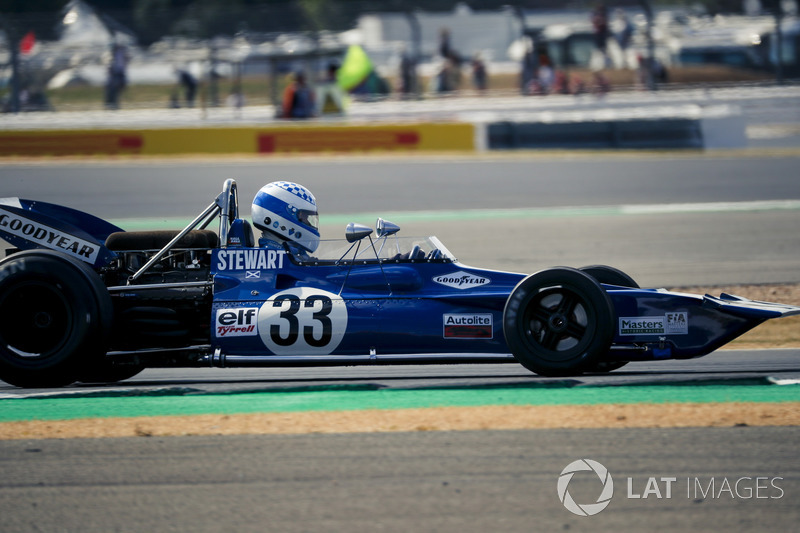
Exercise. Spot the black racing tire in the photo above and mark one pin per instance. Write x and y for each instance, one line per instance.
(606, 366)
(108, 372)
(609, 276)
(56, 318)
(558, 322)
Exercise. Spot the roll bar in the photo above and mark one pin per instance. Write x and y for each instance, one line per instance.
(226, 206)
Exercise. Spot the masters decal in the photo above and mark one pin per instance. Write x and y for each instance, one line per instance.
(669, 324)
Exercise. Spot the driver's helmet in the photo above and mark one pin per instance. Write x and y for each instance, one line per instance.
(290, 211)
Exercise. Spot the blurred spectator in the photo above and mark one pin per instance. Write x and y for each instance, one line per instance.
(448, 79)
(449, 76)
(542, 83)
(528, 70)
(236, 99)
(407, 74)
(600, 84)
(298, 101)
(647, 80)
(624, 35)
(213, 86)
(561, 84)
(189, 85)
(600, 25)
(29, 100)
(444, 43)
(479, 76)
(577, 86)
(117, 77)
(329, 96)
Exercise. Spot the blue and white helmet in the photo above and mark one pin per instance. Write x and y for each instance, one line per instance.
(288, 210)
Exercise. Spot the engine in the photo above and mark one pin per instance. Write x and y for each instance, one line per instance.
(168, 306)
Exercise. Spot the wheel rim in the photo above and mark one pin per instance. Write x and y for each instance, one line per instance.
(557, 324)
(38, 319)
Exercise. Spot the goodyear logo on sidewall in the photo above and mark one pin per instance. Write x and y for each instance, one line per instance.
(48, 237)
(669, 324)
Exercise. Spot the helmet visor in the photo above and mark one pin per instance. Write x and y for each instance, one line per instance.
(309, 218)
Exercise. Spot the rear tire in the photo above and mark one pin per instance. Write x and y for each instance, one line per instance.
(558, 322)
(56, 315)
(108, 372)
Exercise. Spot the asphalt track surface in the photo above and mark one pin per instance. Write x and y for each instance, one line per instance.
(421, 481)
(725, 366)
(442, 481)
(698, 219)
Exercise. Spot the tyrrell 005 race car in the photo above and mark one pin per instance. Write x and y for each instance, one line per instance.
(83, 300)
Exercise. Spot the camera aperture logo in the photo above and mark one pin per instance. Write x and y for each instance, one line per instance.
(586, 509)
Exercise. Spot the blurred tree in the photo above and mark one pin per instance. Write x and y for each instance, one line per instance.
(321, 14)
(153, 19)
(18, 18)
(22, 16)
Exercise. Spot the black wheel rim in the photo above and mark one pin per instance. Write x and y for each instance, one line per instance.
(37, 319)
(558, 324)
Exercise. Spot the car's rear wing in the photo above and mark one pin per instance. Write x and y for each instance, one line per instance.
(742, 307)
(29, 224)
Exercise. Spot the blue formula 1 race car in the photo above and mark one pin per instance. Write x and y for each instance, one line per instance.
(83, 300)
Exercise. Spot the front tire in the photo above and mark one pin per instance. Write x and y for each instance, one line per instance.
(609, 276)
(56, 315)
(558, 322)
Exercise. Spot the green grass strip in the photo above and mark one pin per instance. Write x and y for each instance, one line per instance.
(67, 408)
(407, 217)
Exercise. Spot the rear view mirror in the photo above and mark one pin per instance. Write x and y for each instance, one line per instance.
(355, 232)
(384, 228)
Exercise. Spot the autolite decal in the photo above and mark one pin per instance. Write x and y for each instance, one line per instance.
(250, 259)
(467, 326)
(237, 322)
(461, 280)
(48, 237)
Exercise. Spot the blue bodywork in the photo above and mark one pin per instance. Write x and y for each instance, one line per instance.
(378, 309)
(384, 309)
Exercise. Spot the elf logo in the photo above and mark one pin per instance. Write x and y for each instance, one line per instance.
(237, 322)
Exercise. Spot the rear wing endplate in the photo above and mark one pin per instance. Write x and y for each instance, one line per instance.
(28, 224)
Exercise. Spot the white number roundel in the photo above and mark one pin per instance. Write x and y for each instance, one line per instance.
(302, 321)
